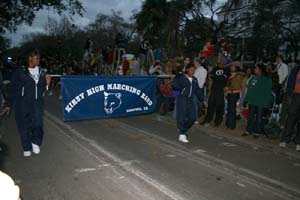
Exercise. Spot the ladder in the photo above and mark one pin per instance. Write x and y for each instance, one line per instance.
(150, 60)
(118, 52)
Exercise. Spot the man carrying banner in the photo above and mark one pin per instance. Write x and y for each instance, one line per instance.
(26, 97)
(188, 86)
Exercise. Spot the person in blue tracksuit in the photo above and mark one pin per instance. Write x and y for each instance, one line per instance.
(25, 96)
(293, 118)
(188, 86)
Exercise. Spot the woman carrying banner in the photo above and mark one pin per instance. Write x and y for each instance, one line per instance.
(188, 86)
(26, 97)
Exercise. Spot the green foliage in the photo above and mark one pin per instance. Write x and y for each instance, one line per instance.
(180, 26)
(13, 13)
(277, 23)
(66, 41)
(160, 22)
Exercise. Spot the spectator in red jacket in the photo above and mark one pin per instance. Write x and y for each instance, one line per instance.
(165, 95)
(208, 50)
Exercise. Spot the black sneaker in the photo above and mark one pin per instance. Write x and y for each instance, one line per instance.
(203, 123)
(217, 124)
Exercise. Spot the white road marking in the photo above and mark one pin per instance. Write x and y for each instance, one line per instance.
(249, 176)
(84, 170)
(297, 164)
(215, 136)
(241, 184)
(104, 165)
(200, 151)
(227, 144)
(170, 156)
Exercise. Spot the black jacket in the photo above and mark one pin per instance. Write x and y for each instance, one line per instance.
(187, 89)
(23, 90)
(219, 78)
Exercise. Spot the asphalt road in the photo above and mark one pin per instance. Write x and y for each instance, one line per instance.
(140, 158)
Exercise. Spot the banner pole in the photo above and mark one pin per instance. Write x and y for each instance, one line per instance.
(158, 76)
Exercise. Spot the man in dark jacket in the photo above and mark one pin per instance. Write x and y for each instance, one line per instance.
(26, 97)
(293, 89)
(219, 77)
(185, 107)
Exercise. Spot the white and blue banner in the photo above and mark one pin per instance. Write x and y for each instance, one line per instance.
(90, 97)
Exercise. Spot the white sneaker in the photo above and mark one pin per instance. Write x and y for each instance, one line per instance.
(27, 153)
(182, 138)
(35, 148)
(196, 122)
(282, 144)
(298, 147)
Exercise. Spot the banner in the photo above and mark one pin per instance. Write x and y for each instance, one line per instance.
(90, 97)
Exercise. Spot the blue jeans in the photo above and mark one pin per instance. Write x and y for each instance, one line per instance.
(255, 123)
(197, 105)
(231, 110)
(174, 111)
(293, 119)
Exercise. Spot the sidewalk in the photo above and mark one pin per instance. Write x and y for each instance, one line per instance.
(235, 135)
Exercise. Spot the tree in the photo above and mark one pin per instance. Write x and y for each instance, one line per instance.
(182, 24)
(151, 21)
(264, 35)
(4, 43)
(289, 23)
(161, 23)
(105, 28)
(64, 40)
(201, 23)
(14, 13)
(276, 28)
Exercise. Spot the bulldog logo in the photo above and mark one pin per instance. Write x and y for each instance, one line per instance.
(112, 101)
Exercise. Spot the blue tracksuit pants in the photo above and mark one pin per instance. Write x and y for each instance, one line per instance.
(186, 114)
(30, 124)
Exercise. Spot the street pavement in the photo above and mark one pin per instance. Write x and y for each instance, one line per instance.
(140, 158)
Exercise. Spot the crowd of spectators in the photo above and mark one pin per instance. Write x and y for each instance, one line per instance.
(262, 94)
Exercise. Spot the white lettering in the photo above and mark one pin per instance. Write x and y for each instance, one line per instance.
(147, 99)
(68, 108)
(74, 102)
(124, 87)
(133, 110)
(95, 90)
